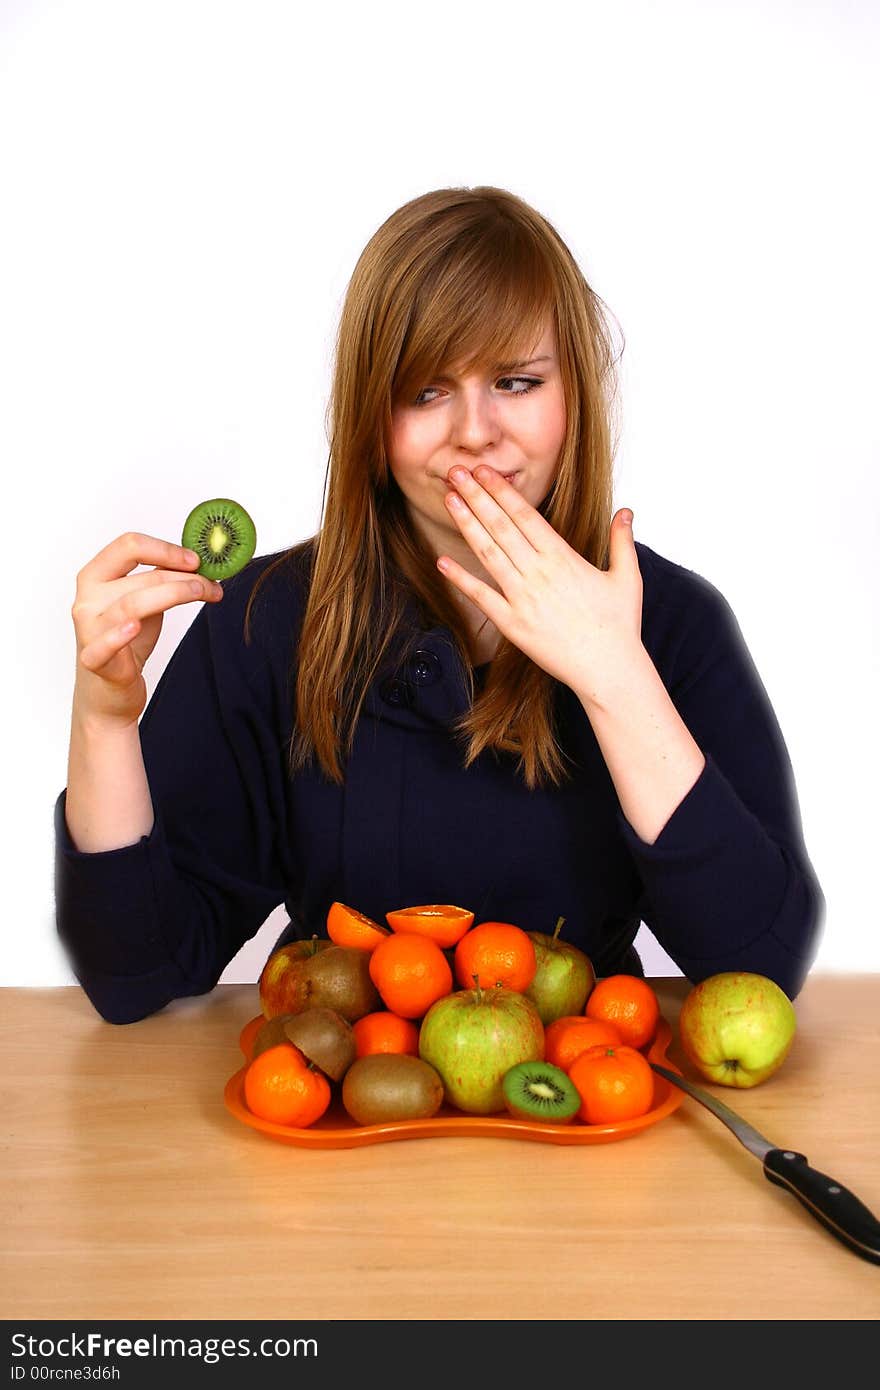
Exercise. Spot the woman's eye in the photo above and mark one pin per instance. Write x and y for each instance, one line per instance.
(527, 383)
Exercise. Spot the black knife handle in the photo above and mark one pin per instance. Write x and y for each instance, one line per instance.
(829, 1201)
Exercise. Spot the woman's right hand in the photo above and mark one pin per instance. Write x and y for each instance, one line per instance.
(117, 616)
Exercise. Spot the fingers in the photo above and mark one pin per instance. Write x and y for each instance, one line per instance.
(502, 512)
(490, 601)
(101, 598)
(498, 545)
(621, 542)
(97, 654)
(126, 552)
(147, 601)
(122, 620)
(623, 559)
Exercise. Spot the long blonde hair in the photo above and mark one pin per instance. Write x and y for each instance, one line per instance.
(456, 276)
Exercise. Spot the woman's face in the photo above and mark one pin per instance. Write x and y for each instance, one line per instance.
(513, 421)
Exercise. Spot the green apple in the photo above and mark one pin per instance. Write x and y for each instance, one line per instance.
(563, 979)
(473, 1037)
(737, 1028)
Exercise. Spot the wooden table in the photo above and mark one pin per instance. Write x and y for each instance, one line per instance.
(130, 1192)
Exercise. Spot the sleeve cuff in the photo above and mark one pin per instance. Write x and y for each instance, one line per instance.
(697, 826)
(68, 849)
(119, 943)
(714, 880)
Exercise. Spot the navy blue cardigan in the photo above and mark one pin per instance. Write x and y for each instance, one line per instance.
(727, 885)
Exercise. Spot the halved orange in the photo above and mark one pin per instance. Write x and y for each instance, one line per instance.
(348, 927)
(440, 922)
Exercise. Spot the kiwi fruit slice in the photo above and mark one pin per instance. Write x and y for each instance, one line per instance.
(386, 1086)
(540, 1091)
(222, 535)
(325, 1038)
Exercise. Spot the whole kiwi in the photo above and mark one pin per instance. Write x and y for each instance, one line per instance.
(337, 978)
(386, 1086)
(310, 974)
(324, 1037)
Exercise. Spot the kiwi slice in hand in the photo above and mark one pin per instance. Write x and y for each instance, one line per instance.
(222, 535)
(540, 1091)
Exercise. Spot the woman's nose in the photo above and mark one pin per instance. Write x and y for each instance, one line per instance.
(475, 419)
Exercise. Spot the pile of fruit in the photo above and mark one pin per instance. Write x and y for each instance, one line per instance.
(375, 1011)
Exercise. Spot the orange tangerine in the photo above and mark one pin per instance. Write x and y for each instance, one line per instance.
(279, 1086)
(384, 1031)
(614, 1083)
(410, 972)
(629, 1003)
(566, 1038)
(499, 954)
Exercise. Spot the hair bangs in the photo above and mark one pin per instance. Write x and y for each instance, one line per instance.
(485, 310)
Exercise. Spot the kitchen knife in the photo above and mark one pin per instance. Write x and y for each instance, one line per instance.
(829, 1201)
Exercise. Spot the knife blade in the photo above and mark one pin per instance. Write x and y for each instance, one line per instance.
(838, 1209)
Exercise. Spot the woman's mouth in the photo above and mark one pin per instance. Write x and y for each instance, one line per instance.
(508, 477)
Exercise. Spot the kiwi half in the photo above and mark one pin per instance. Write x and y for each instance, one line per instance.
(324, 1037)
(540, 1091)
(270, 1034)
(222, 535)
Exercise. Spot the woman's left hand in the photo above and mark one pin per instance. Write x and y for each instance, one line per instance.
(580, 623)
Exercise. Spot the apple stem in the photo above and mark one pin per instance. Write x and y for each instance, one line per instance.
(558, 927)
(479, 992)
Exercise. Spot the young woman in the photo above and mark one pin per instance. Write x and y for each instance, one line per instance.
(471, 686)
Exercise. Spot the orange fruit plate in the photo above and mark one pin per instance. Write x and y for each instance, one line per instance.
(336, 1130)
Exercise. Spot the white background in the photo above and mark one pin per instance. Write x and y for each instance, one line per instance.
(186, 188)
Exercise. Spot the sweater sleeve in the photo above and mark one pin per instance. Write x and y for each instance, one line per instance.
(159, 919)
(727, 883)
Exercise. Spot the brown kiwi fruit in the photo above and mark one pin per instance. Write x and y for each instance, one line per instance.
(337, 978)
(310, 974)
(387, 1086)
(270, 1034)
(325, 1038)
